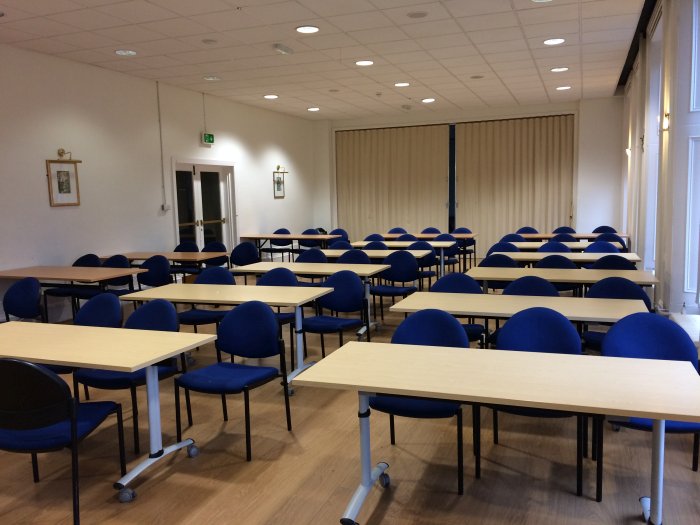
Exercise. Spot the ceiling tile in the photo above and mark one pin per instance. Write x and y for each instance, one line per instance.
(41, 27)
(87, 19)
(279, 12)
(137, 11)
(42, 7)
(189, 8)
(548, 14)
(380, 34)
(176, 27)
(433, 11)
(46, 45)
(460, 8)
(430, 29)
(493, 21)
(360, 21)
(129, 34)
(336, 7)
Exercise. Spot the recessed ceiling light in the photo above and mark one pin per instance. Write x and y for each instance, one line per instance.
(307, 30)
(559, 69)
(563, 88)
(364, 63)
(402, 84)
(476, 77)
(209, 41)
(417, 14)
(270, 97)
(313, 109)
(211, 78)
(125, 52)
(282, 49)
(553, 41)
(428, 100)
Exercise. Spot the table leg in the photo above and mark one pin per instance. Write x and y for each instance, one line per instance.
(368, 298)
(369, 475)
(157, 451)
(442, 262)
(299, 332)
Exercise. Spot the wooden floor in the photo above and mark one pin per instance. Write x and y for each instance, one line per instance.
(308, 475)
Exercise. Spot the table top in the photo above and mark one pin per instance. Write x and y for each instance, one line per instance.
(117, 349)
(578, 383)
(561, 275)
(194, 257)
(363, 270)
(576, 235)
(405, 244)
(428, 236)
(578, 246)
(577, 257)
(83, 274)
(375, 254)
(690, 323)
(490, 305)
(228, 294)
(291, 237)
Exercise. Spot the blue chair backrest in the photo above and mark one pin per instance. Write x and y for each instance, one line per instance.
(158, 273)
(563, 237)
(649, 336)
(278, 277)
(313, 255)
(407, 237)
(431, 327)
(354, 257)
(601, 247)
(88, 260)
(611, 237)
(339, 231)
(456, 283)
(464, 242)
(244, 253)
(604, 229)
(348, 293)
(539, 330)
(404, 267)
(281, 242)
(426, 260)
(118, 261)
(564, 229)
(556, 261)
(512, 237)
(340, 245)
(374, 237)
(554, 246)
(158, 314)
(397, 229)
(452, 250)
(374, 245)
(613, 262)
(498, 260)
(102, 310)
(618, 288)
(502, 247)
(526, 229)
(215, 275)
(22, 299)
(216, 246)
(310, 243)
(249, 330)
(531, 285)
(430, 229)
(187, 246)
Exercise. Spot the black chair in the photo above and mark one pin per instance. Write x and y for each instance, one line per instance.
(38, 414)
(243, 254)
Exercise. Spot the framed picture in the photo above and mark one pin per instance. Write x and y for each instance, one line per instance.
(62, 176)
(278, 184)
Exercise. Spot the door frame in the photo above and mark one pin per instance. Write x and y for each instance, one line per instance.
(231, 225)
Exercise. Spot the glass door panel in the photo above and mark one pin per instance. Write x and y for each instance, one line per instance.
(185, 206)
(212, 210)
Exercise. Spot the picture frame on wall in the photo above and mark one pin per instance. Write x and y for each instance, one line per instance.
(62, 177)
(278, 184)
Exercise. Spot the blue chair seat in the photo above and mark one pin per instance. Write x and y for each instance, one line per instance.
(113, 380)
(387, 290)
(530, 412)
(285, 317)
(324, 324)
(426, 273)
(59, 369)
(410, 407)
(57, 436)
(226, 378)
(197, 316)
(474, 331)
(193, 270)
(672, 427)
(594, 340)
(72, 290)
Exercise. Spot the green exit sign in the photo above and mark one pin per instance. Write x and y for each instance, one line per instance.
(207, 138)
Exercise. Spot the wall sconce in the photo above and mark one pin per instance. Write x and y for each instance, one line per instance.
(665, 122)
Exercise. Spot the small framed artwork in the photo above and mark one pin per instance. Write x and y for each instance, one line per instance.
(278, 184)
(62, 176)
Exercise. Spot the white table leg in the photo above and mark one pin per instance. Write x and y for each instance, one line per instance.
(442, 262)
(369, 475)
(299, 332)
(368, 298)
(657, 472)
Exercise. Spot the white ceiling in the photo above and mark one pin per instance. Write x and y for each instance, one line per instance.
(438, 54)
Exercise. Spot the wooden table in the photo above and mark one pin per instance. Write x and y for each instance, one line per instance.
(578, 246)
(80, 274)
(560, 275)
(212, 294)
(402, 245)
(576, 383)
(180, 257)
(428, 236)
(582, 236)
(691, 324)
(260, 238)
(374, 254)
(577, 257)
(117, 349)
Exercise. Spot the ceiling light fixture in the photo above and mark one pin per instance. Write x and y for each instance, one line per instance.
(125, 52)
(428, 100)
(553, 41)
(364, 63)
(307, 30)
(476, 77)
(563, 88)
(211, 78)
(270, 97)
(402, 84)
(313, 110)
(559, 69)
(417, 14)
(209, 41)
(541, 1)
(282, 49)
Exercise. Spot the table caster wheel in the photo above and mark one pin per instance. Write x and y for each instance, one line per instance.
(384, 480)
(290, 390)
(192, 451)
(127, 495)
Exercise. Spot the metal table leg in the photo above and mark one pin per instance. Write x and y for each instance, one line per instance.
(652, 507)
(299, 332)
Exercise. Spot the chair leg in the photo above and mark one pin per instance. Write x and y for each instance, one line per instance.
(35, 467)
(87, 392)
(287, 409)
(323, 346)
(476, 438)
(599, 458)
(135, 412)
(223, 406)
(594, 437)
(392, 431)
(381, 307)
(75, 483)
(460, 454)
(76, 387)
(188, 405)
(579, 455)
(291, 345)
(495, 427)
(696, 446)
(178, 422)
(120, 437)
(246, 403)
(340, 338)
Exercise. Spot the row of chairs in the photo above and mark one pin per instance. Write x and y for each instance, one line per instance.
(567, 229)
(560, 238)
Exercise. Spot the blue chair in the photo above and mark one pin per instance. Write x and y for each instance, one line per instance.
(23, 300)
(502, 247)
(531, 285)
(613, 262)
(612, 237)
(526, 229)
(430, 229)
(89, 260)
(375, 245)
(183, 268)
(39, 415)
(281, 277)
(425, 263)
(281, 246)
(450, 254)
(158, 273)
(536, 330)
(467, 248)
(403, 269)
(343, 234)
(612, 288)
(498, 260)
(463, 283)
(601, 247)
(154, 315)
(374, 237)
(564, 229)
(397, 229)
(559, 261)
(216, 246)
(433, 328)
(512, 237)
(242, 255)
(407, 237)
(195, 317)
(308, 244)
(348, 296)
(564, 237)
(353, 257)
(119, 285)
(340, 245)
(651, 336)
(554, 246)
(604, 229)
(250, 331)
(312, 255)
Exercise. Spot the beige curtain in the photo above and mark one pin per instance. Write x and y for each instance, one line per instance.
(392, 177)
(513, 173)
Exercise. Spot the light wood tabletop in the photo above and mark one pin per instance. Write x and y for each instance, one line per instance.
(504, 306)
(405, 244)
(583, 235)
(375, 254)
(577, 257)
(290, 237)
(193, 257)
(578, 246)
(560, 275)
(81, 274)
(117, 349)
(429, 236)
(229, 295)
(363, 270)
